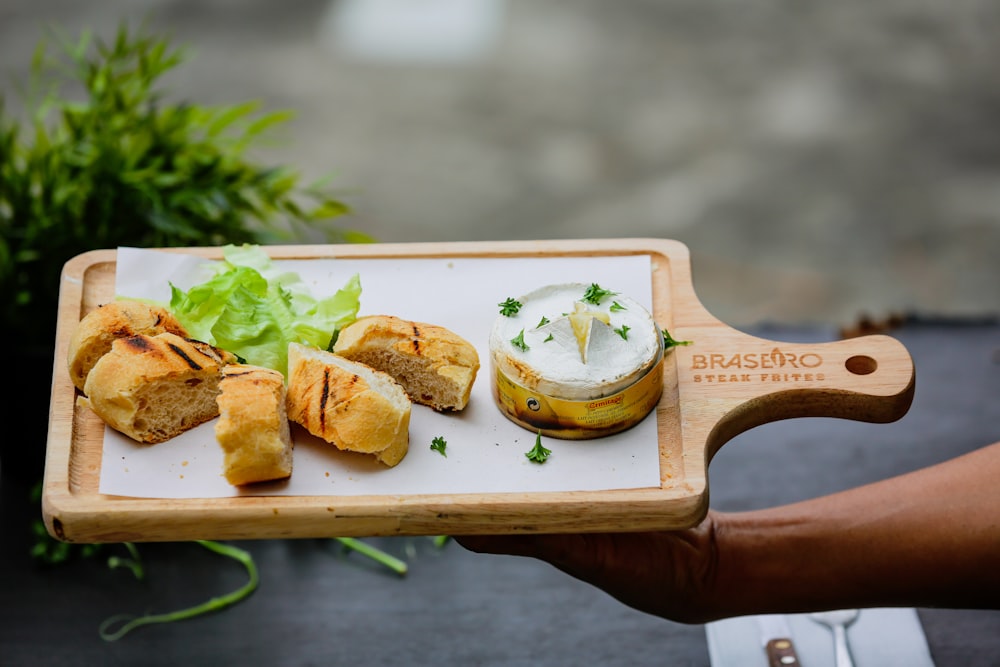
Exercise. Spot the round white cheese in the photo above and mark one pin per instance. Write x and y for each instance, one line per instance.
(563, 345)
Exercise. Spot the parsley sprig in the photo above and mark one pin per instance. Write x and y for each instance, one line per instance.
(438, 444)
(518, 342)
(509, 307)
(669, 342)
(538, 453)
(595, 294)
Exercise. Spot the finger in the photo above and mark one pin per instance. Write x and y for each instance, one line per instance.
(511, 545)
(576, 554)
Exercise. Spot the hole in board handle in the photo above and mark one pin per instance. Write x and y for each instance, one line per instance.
(861, 364)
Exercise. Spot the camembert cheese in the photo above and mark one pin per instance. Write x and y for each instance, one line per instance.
(576, 361)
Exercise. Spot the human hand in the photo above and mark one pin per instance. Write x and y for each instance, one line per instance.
(670, 574)
(927, 538)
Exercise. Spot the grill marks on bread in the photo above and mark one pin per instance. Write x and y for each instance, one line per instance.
(415, 339)
(180, 353)
(435, 366)
(140, 345)
(100, 327)
(348, 404)
(195, 354)
(337, 391)
(152, 388)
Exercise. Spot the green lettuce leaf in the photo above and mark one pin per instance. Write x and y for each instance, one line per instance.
(253, 309)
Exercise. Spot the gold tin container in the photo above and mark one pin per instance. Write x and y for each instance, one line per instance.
(578, 420)
(544, 384)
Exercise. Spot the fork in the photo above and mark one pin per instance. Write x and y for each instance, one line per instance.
(838, 621)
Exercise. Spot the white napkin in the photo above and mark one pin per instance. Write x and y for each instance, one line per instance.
(878, 638)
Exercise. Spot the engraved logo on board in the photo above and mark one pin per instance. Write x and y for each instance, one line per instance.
(773, 366)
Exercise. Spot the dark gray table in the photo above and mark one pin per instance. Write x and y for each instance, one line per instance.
(315, 605)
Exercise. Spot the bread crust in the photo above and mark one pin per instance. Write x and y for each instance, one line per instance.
(435, 366)
(252, 429)
(352, 406)
(152, 388)
(93, 336)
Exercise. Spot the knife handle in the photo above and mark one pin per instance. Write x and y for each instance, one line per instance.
(781, 653)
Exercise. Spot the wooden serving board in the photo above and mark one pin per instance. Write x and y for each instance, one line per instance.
(725, 383)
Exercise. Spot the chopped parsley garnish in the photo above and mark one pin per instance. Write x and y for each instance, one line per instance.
(623, 332)
(548, 338)
(438, 444)
(615, 307)
(518, 342)
(542, 322)
(538, 454)
(509, 307)
(595, 294)
(669, 342)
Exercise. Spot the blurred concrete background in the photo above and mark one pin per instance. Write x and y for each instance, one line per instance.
(821, 160)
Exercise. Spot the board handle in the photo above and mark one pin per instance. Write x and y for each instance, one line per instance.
(744, 381)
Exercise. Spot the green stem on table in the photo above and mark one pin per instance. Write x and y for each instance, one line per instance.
(134, 563)
(130, 623)
(379, 556)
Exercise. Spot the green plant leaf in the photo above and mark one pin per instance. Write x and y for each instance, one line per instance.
(224, 118)
(102, 158)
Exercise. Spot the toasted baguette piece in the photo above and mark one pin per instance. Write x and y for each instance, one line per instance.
(436, 366)
(94, 334)
(348, 404)
(253, 425)
(152, 388)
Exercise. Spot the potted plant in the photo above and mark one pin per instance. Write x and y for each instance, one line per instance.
(102, 160)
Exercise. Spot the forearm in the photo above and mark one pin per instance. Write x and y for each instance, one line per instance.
(928, 538)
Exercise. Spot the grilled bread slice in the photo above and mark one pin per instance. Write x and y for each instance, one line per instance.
(253, 426)
(436, 366)
(152, 388)
(348, 404)
(118, 319)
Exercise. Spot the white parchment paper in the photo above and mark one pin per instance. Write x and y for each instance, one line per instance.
(485, 450)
